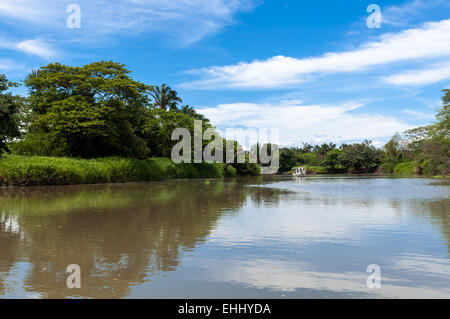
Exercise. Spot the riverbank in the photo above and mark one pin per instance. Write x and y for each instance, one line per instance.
(18, 170)
(401, 169)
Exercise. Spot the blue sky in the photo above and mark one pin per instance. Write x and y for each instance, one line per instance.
(312, 69)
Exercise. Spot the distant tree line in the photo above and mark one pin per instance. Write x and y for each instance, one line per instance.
(423, 150)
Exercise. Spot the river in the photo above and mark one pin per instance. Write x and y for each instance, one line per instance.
(264, 237)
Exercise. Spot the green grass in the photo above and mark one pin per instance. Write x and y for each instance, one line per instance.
(310, 169)
(42, 170)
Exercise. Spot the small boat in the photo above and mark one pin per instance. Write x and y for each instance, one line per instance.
(299, 171)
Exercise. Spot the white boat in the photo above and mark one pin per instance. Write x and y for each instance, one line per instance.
(299, 171)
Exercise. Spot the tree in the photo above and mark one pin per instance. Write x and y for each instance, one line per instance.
(165, 98)
(10, 106)
(158, 130)
(322, 150)
(393, 150)
(359, 157)
(307, 148)
(188, 110)
(332, 159)
(442, 126)
(93, 110)
(288, 159)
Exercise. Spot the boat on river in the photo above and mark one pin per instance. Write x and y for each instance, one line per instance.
(299, 171)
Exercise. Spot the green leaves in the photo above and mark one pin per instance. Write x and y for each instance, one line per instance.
(95, 110)
(10, 107)
(165, 98)
(360, 157)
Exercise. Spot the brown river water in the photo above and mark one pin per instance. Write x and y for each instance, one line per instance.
(265, 237)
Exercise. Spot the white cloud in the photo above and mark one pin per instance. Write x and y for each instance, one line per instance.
(401, 15)
(188, 21)
(36, 47)
(312, 123)
(7, 64)
(420, 77)
(430, 41)
(420, 115)
(288, 276)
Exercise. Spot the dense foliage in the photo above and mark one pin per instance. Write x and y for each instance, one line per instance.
(327, 158)
(88, 111)
(424, 150)
(95, 111)
(10, 108)
(98, 110)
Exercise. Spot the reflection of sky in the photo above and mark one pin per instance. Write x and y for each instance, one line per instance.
(294, 238)
(14, 281)
(319, 239)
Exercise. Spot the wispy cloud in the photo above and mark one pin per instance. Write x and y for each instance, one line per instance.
(421, 77)
(430, 41)
(8, 64)
(188, 21)
(34, 46)
(420, 115)
(404, 14)
(312, 123)
(37, 47)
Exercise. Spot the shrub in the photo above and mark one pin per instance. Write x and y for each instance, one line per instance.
(230, 171)
(406, 168)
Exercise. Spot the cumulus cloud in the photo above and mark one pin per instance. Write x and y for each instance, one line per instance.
(430, 41)
(299, 123)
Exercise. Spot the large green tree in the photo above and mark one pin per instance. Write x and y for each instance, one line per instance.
(288, 159)
(92, 110)
(359, 157)
(10, 107)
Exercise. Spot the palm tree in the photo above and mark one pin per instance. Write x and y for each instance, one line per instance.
(165, 98)
(188, 110)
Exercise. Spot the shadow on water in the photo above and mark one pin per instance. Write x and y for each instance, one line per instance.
(120, 235)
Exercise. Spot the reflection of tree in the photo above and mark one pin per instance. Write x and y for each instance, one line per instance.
(116, 247)
(438, 213)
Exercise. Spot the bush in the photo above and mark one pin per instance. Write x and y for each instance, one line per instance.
(247, 169)
(387, 168)
(308, 159)
(406, 168)
(230, 171)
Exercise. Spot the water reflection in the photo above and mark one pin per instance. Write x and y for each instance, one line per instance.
(261, 237)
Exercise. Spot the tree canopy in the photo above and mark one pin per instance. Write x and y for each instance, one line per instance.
(10, 107)
(93, 110)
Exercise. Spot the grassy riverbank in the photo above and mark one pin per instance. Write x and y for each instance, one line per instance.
(41, 170)
(411, 168)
